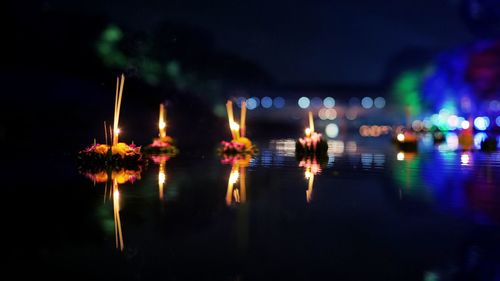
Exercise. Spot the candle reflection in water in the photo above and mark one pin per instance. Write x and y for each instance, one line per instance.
(236, 183)
(312, 168)
(116, 211)
(162, 177)
(237, 175)
(161, 160)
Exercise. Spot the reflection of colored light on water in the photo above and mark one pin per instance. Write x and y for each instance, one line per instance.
(464, 159)
(400, 156)
(498, 121)
(452, 141)
(482, 123)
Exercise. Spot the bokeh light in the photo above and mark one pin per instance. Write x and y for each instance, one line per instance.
(332, 130)
(367, 102)
(482, 123)
(351, 114)
(252, 103)
(304, 102)
(329, 102)
(279, 102)
(266, 102)
(465, 124)
(379, 102)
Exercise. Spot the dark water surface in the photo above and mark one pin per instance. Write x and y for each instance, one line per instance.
(370, 213)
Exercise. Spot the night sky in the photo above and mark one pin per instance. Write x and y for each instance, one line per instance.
(346, 41)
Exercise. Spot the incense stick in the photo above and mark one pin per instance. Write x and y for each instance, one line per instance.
(230, 117)
(105, 133)
(311, 122)
(243, 118)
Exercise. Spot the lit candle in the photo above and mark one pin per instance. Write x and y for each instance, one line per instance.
(308, 132)
(118, 101)
(230, 117)
(235, 129)
(162, 124)
(311, 122)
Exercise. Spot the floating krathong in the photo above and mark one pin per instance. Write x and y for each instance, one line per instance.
(406, 140)
(312, 144)
(163, 144)
(117, 154)
(239, 143)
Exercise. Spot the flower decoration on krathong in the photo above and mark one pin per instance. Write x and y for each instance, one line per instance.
(163, 144)
(239, 144)
(312, 143)
(104, 156)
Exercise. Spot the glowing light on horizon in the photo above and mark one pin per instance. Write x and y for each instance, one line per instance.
(465, 124)
(482, 123)
(266, 102)
(304, 102)
(379, 102)
(252, 103)
(332, 130)
(367, 102)
(279, 102)
(329, 102)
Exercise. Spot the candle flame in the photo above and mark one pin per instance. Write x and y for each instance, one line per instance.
(401, 137)
(308, 131)
(234, 126)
